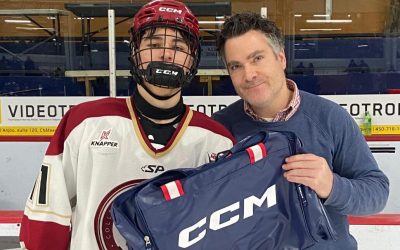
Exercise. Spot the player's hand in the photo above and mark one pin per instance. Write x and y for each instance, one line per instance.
(310, 170)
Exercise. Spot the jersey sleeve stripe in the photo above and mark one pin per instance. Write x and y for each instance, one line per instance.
(35, 235)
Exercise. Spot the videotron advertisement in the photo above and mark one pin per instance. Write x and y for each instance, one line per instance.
(384, 110)
(39, 116)
(34, 116)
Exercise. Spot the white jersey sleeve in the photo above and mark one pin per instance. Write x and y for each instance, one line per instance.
(47, 216)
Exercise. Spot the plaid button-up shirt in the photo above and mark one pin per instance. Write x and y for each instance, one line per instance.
(284, 114)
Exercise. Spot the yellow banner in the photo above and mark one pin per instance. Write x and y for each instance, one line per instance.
(383, 129)
(386, 129)
(49, 130)
(27, 130)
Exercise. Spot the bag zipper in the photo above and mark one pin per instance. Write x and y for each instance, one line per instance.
(329, 226)
(147, 238)
(147, 242)
(303, 199)
(304, 203)
(299, 187)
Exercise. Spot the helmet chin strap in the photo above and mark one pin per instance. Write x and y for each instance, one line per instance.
(158, 97)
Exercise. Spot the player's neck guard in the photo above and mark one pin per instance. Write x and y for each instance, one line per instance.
(148, 110)
(159, 97)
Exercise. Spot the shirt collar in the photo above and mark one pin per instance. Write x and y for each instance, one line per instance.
(285, 113)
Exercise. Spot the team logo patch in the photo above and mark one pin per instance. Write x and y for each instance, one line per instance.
(107, 235)
(104, 141)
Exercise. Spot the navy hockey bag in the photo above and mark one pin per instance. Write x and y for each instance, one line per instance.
(241, 201)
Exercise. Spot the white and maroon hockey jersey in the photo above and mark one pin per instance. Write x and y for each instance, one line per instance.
(99, 150)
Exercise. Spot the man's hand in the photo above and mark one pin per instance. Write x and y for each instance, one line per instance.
(310, 170)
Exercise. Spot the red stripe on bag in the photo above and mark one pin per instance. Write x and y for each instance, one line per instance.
(251, 155)
(256, 152)
(180, 188)
(165, 192)
(263, 149)
(172, 190)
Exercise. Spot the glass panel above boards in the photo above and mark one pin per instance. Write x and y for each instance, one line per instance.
(332, 46)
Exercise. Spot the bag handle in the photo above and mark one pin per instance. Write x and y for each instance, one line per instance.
(259, 138)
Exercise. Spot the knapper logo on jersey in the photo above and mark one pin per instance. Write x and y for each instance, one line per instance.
(105, 135)
(104, 141)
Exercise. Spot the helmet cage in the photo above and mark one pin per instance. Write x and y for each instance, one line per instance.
(142, 71)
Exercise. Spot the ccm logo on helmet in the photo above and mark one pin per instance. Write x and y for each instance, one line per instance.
(172, 10)
(166, 72)
(215, 218)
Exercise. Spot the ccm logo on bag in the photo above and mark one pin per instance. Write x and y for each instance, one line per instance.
(172, 10)
(166, 72)
(215, 218)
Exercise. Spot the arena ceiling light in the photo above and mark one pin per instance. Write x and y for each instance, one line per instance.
(16, 21)
(211, 22)
(34, 28)
(321, 15)
(329, 21)
(321, 29)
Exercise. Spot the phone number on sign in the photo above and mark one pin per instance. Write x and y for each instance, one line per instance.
(386, 129)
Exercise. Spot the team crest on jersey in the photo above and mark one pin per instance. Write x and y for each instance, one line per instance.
(104, 141)
(107, 235)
